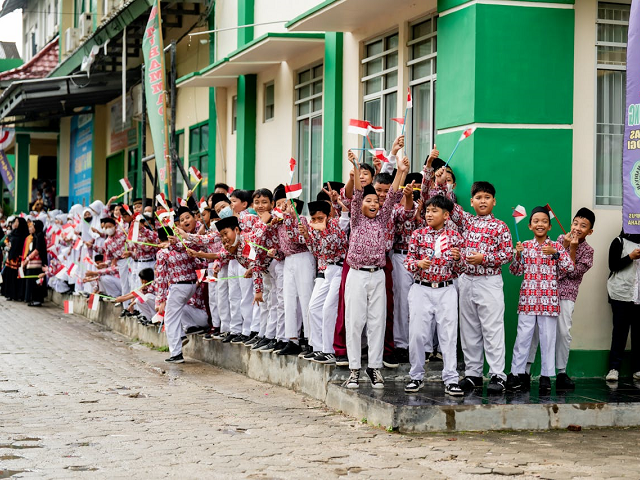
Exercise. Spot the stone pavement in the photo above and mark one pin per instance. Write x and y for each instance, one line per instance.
(79, 401)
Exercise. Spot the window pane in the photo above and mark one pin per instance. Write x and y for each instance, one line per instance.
(374, 66)
(304, 76)
(372, 86)
(269, 102)
(316, 157)
(303, 109)
(317, 87)
(304, 92)
(390, 127)
(421, 126)
(204, 138)
(373, 48)
(391, 60)
(194, 141)
(420, 70)
(392, 42)
(317, 71)
(391, 80)
(304, 139)
(180, 145)
(373, 114)
(317, 104)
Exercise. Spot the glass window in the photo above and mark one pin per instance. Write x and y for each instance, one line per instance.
(309, 130)
(234, 114)
(198, 154)
(380, 87)
(611, 53)
(269, 101)
(422, 81)
(133, 171)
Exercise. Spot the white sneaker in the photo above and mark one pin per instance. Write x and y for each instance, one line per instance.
(612, 376)
(636, 376)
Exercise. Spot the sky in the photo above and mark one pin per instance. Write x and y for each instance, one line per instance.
(11, 28)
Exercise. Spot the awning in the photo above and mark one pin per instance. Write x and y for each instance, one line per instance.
(45, 98)
(260, 54)
(346, 15)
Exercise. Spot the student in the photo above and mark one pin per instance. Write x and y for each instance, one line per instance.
(328, 243)
(539, 260)
(34, 258)
(487, 246)
(622, 287)
(365, 296)
(219, 202)
(147, 308)
(222, 188)
(434, 254)
(568, 284)
(109, 277)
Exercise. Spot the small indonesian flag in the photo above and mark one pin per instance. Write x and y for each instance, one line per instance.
(400, 120)
(49, 228)
(467, 133)
(278, 213)
(379, 153)
(158, 318)
(72, 271)
(551, 215)
(161, 200)
(359, 127)
(140, 297)
(202, 204)
(93, 302)
(519, 213)
(126, 185)
(195, 173)
(374, 129)
(182, 202)
(68, 229)
(409, 99)
(204, 277)
(293, 191)
(292, 166)
(249, 252)
(134, 231)
(442, 244)
(56, 271)
(20, 272)
(78, 244)
(127, 209)
(89, 260)
(166, 217)
(68, 307)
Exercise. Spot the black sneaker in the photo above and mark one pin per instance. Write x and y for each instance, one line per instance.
(207, 337)
(252, 340)
(496, 385)
(342, 361)
(280, 344)
(435, 357)
(513, 382)
(238, 339)
(525, 380)
(470, 383)
(196, 330)
(311, 355)
(402, 355)
(545, 384)
(175, 359)
(377, 380)
(230, 336)
(564, 382)
(123, 314)
(354, 379)
(305, 350)
(261, 343)
(185, 340)
(454, 390)
(390, 361)
(290, 349)
(268, 348)
(217, 334)
(325, 358)
(413, 386)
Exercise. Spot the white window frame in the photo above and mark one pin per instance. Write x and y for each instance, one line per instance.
(599, 67)
(264, 113)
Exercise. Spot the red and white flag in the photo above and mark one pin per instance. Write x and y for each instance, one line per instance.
(374, 129)
(126, 185)
(551, 215)
(127, 209)
(278, 213)
(359, 127)
(72, 271)
(158, 318)
(20, 272)
(249, 252)
(182, 202)
(292, 167)
(68, 229)
(166, 217)
(195, 173)
(293, 191)
(56, 271)
(140, 297)
(379, 153)
(201, 274)
(442, 244)
(93, 302)
(400, 120)
(68, 307)
(78, 244)
(89, 260)
(161, 200)
(467, 133)
(134, 231)
(409, 99)
(202, 204)
(519, 213)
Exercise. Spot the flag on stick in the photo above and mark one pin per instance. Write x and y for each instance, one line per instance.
(519, 214)
(20, 272)
(466, 134)
(78, 244)
(400, 120)
(68, 307)
(292, 168)
(409, 99)
(293, 191)
(358, 127)
(140, 297)
(379, 153)
(181, 202)
(126, 185)
(553, 215)
(249, 252)
(93, 303)
(442, 244)
(134, 231)
(195, 173)
(72, 271)
(161, 200)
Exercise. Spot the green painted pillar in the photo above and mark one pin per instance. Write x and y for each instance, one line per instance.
(246, 16)
(508, 70)
(332, 141)
(246, 132)
(210, 167)
(23, 190)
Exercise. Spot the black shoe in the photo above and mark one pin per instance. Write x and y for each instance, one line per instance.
(435, 357)
(185, 340)
(413, 386)
(545, 384)
(342, 361)
(252, 340)
(305, 350)
(217, 334)
(280, 344)
(563, 382)
(454, 390)
(496, 385)
(469, 383)
(513, 382)
(207, 337)
(377, 380)
(230, 336)
(402, 355)
(238, 339)
(311, 355)
(261, 343)
(325, 358)
(175, 359)
(35, 304)
(290, 349)
(195, 330)
(269, 347)
(525, 381)
(390, 361)
(123, 314)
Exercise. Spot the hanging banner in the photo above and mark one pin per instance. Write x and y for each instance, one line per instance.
(631, 147)
(6, 171)
(155, 89)
(81, 160)
(6, 137)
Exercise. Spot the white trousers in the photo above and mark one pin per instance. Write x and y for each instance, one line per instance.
(563, 336)
(179, 295)
(299, 275)
(429, 306)
(240, 299)
(482, 323)
(547, 328)
(136, 268)
(323, 309)
(365, 301)
(123, 271)
(266, 307)
(110, 285)
(402, 282)
(224, 311)
(276, 317)
(148, 308)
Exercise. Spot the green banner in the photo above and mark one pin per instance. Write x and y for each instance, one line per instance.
(155, 93)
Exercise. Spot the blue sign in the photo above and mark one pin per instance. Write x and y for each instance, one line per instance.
(7, 172)
(81, 160)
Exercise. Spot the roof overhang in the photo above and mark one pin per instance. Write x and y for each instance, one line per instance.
(259, 55)
(46, 98)
(344, 15)
(11, 5)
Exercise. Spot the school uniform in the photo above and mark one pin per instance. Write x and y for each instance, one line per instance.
(143, 256)
(365, 294)
(110, 279)
(539, 304)
(147, 308)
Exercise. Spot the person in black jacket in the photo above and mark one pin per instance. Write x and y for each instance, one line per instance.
(35, 258)
(15, 286)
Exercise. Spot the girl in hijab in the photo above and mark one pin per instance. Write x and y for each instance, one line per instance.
(34, 257)
(623, 290)
(15, 285)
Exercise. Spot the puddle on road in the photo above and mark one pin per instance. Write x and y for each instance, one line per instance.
(80, 444)
(10, 457)
(10, 473)
(81, 468)
(18, 447)
(8, 391)
(27, 439)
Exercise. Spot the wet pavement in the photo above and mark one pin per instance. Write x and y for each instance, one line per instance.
(77, 401)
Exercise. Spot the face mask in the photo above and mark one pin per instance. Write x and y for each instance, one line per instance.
(110, 231)
(88, 219)
(148, 214)
(236, 241)
(225, 212)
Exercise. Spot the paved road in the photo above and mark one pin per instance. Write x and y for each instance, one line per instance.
(79, 401)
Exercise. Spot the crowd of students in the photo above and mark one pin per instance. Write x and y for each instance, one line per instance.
(388, 260)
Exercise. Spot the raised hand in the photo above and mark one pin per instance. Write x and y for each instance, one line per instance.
(397, 145)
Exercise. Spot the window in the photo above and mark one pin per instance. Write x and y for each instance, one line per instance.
(309, 130)
(611, 54)
(133, 170)
(269, 101)
(234, 114)
(422, 81)
(198, 151)
(380, 86)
